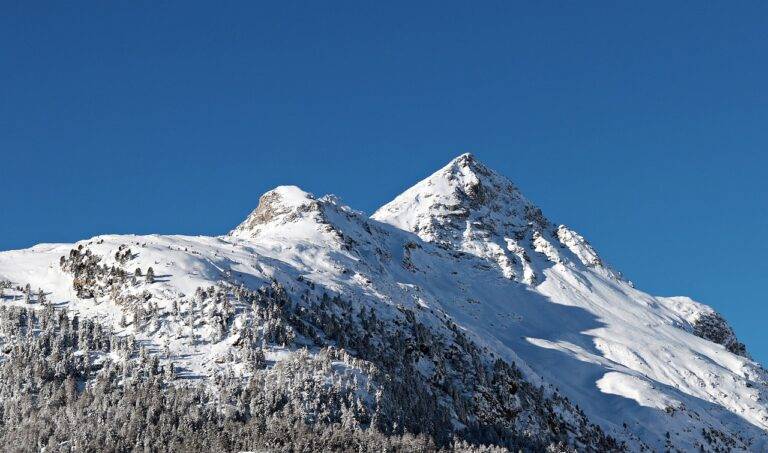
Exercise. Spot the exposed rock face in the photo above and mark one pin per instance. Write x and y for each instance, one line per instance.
(579, 246)
(704, 322)
(713, 327)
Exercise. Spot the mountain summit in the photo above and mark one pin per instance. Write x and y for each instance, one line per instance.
(463, 193)
(457, 315)
(469, 207)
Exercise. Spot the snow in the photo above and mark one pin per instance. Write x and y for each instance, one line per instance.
(462, 244)
(640, 390)
(688, 309)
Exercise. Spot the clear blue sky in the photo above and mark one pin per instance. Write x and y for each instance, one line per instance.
(644, 127)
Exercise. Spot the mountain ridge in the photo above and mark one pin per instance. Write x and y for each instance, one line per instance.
(462, 259)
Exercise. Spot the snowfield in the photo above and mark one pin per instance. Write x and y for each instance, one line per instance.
(463, 246)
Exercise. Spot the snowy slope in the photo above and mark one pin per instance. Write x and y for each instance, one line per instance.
(605, 337)
(465, 248)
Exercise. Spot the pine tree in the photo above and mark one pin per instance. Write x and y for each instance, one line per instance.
(150, 278)
(169, 371)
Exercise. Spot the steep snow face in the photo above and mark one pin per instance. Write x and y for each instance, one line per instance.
(462, 248)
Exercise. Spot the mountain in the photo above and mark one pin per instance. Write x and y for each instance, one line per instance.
(457, 316)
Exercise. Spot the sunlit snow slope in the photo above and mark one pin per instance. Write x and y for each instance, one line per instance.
(625, 356)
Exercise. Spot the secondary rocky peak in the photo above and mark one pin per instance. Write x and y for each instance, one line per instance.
(280, 205)
(287, 214)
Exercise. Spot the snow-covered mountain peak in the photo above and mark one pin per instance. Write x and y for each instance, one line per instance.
(462, 191)
(469, 207)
